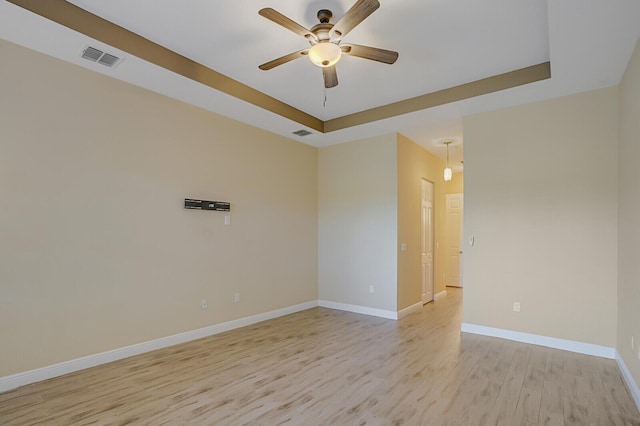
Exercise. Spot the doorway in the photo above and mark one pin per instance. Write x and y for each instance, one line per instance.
(453, 274)
(427, 241)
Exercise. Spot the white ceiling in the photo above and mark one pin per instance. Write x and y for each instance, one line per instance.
(441, 43)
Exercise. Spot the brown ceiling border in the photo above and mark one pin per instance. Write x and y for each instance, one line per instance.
(84, 22)
(465, 91)
(78, 19)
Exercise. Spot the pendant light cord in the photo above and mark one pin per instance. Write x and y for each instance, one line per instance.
(448, 153)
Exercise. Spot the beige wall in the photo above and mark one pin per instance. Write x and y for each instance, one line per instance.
(357, 222)
(456, 184)
(541, 202)
(415, 164)
(97, 250)
(628, 217)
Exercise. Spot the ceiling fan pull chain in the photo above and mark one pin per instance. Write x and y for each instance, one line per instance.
(324, 104)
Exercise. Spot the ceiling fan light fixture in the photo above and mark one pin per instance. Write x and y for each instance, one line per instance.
(325, 54)
(325, 38)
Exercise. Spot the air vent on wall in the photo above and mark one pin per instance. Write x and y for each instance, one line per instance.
(97, 55)
(301, 132)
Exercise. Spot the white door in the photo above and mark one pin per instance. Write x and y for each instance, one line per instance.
(453, 275)
(427, 241)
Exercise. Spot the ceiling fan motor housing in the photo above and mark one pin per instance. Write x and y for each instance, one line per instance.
(321, 31)
(324, 16)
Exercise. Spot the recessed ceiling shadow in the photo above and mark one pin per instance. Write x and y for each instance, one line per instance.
(335, 6)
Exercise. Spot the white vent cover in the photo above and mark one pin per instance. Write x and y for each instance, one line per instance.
(97, 55)
(301, 132)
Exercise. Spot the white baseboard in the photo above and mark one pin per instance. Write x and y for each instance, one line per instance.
(419, 305)
(535, 339)
(410, 309)
(628, 378)
(440, 295)
(358, 309)
(48, 372)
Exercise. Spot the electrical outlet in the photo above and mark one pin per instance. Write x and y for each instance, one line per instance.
(403, 247)
(236, 297)
(371, 289)
(203, 303)
(516, 306)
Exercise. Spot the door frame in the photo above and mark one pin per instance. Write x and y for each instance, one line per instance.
(426, 295)
(448, 197)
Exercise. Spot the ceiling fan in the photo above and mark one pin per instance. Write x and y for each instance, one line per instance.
(325, 39)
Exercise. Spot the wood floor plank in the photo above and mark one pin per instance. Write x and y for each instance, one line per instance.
(528, 408)
(504, 408)
(551, 405)
(322, 366)
(616, 392)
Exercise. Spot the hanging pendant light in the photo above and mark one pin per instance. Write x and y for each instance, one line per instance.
(447, 169)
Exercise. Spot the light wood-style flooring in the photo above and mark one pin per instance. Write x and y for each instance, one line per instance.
(327, 367)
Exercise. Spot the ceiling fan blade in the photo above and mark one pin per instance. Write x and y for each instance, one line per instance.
(282, 20)
(373, 53)
(358, 13)
(283, 60)
(330, 76)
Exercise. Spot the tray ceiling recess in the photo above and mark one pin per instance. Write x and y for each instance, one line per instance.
(98, 28)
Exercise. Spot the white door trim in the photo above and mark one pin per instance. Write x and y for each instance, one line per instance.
(453, 248)
(427, 241)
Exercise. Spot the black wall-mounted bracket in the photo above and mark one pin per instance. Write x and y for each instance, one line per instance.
(220, 206)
